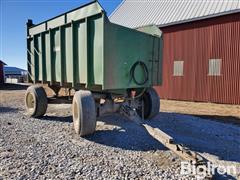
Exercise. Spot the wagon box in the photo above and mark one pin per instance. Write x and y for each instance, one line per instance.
(82, 47)
(82, 50)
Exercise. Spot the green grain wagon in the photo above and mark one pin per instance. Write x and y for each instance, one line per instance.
(82, 50)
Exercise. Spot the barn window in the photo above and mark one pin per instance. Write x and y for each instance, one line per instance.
(178, 68)
(215, 67)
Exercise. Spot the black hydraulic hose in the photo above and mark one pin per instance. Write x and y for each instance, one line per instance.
(145, 69)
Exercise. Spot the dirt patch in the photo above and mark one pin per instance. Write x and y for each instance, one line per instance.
(223, 112)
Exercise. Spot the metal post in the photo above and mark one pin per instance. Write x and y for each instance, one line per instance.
(35, 59)
(51, 56)
(61, 54)
(29, 24)
(73, 55)
(43, 57)
(87, 54)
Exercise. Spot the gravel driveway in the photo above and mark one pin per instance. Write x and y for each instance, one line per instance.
(47, 148)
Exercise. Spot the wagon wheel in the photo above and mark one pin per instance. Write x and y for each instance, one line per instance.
(84, 113)
(151, 103)
(36, 101)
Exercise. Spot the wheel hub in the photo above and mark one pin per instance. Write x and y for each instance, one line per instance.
(30, 101)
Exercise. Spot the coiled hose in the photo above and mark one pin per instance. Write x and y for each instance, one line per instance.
(132, 72)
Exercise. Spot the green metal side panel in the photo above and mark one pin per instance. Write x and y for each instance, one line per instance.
(82, 49)
(95, 45)
(68, 49)
(48, 64)
(73, 53)
(68, 52)
(56, 55)
(39, 49)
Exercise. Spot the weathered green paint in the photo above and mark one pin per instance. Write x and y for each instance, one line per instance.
(127, 47)
(82, 48)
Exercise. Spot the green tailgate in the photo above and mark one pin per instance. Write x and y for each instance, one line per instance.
(122, 48)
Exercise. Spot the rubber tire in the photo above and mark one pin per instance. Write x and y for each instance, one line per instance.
(40, 101)
(84, 113)
(151, 103)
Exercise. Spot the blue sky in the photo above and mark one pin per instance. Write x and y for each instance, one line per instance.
(14, 15)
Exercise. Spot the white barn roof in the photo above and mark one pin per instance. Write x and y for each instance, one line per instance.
(137, 13)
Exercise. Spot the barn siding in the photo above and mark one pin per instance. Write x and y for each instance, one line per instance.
(195, 43)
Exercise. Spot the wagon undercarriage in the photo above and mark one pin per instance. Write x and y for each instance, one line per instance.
(87, 106)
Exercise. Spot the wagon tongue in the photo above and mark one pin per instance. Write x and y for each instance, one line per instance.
(182, 151)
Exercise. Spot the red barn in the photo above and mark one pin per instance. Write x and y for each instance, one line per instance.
(1, 72)
(201, 54)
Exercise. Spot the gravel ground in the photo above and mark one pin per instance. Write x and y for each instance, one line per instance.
(47, 148)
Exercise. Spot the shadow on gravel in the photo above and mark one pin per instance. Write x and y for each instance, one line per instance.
(125, 134)
(67, 119)
(201, 135)
(225, 176)
(13, 87)
(7, 109)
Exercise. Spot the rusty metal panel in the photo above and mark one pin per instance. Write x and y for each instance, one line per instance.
(195, 43)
